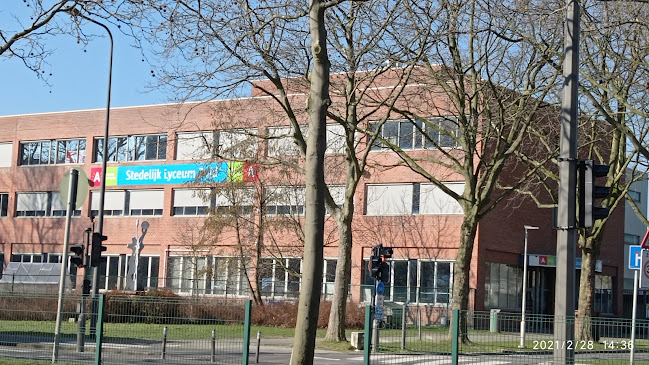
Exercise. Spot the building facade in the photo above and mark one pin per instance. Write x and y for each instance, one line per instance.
(163, 183)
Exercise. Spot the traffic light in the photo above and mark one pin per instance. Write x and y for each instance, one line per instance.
(97, 249)
(375, 267)
(379, 267)
(77, 258)
(85, 286)
(589, 171)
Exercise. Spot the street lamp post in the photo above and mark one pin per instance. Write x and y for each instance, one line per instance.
(522, 344)
(102, 190)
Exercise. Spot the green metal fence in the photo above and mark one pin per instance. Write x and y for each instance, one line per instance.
(128, 329)
(493, 337)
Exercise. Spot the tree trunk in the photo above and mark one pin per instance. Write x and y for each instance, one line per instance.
(461, 269)
(336, 327)
(318, 102)
(586, 291)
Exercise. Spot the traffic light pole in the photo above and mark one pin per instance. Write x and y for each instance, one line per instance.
(72, 202)
(564, 308)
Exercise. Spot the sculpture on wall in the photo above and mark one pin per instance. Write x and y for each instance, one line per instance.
(137, 244)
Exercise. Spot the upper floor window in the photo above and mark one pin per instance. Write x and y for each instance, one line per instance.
(631, 239)
(146, 202)
(221, 201)
(413, 135)
(196, 145)
(133, 148)
(635, 195)
(53, 152)
(42, 204)
(4, 204)
(235, 144)
(281, 143)
(406, 199)
(288, 200)
(5, 154)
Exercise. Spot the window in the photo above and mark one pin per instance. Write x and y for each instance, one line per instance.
(280, 277)
(229, 276)
(53, 152)
(145, 202)
(631, 239)
(635, 195)
(113, 202)
(205, 274)
(503, 286)
(44, 204)
(435, 284)
(338, 194)
(406, 199)
(6, 149)
(329, 276)
(281, 141)
(603, 302)
(433, 200)
(220, 201)
(133, 148)
(4, 204)
(237, 143)
(389, 199)
(196, 145)
(113, 272)
(191, 201)
(287, 200)
(409, 135)
(414, 281)
(336, 139)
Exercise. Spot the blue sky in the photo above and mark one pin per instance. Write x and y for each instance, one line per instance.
(79, 79)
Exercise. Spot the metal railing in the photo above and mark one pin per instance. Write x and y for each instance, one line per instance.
(495, 337)
(132, 329)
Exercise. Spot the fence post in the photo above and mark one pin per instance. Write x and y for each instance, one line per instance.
(164, 343)
(213, 346)
(367, 336)
(99, 334)
(246, 333)
(403, 327)
(419, 322)
(455, 332)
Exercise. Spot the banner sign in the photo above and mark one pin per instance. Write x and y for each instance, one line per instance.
(175, 174)
(551, 261)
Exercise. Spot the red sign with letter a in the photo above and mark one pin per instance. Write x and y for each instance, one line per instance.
(95, 176)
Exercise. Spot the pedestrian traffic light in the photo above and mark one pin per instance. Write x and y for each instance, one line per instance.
(97, 249)
(77, 258)
(589, 171)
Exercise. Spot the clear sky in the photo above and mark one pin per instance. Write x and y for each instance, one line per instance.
(79, 79)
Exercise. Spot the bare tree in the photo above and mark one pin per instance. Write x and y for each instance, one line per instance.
(483, 89)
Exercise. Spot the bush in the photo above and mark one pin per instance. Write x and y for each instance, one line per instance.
(284, 314)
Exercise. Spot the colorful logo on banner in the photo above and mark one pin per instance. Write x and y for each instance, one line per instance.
(176, 173)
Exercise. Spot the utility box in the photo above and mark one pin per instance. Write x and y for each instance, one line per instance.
(357, 340)
(493, 320)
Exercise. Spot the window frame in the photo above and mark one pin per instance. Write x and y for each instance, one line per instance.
(132, 147)
(55, 156)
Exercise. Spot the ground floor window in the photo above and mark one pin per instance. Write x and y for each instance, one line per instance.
(202, 274)
(414, 281)
(603, 302)
(503, 286)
